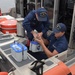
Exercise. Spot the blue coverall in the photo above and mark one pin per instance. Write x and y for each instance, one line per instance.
(30, 23)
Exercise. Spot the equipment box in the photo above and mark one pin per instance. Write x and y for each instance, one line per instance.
(35, 47)
(18, 51)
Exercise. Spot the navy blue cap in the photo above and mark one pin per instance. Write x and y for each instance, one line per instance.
(42, 14)
(60, 28)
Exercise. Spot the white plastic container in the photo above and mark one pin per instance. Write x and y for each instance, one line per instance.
(35, 46)
(18, 51)
(24, 52)
(20, 29)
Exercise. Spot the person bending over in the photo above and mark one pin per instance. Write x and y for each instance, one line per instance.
(36, 20)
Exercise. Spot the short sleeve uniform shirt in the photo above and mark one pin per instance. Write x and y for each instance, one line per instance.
(59, 44)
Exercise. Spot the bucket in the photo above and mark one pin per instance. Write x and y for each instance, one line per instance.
(9, 26)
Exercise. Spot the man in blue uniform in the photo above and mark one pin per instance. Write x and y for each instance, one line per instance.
(56, 42)
(38, 20)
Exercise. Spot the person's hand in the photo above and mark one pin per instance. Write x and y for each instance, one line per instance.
(39, 40)
(34, 34)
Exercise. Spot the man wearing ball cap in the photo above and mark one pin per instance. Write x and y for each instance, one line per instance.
(56, 42)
